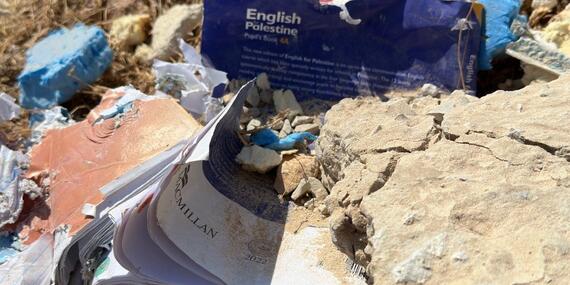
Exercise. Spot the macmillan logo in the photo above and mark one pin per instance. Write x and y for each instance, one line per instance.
(192, 217)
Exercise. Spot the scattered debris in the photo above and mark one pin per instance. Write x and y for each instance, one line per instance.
(194, 83)
(61, 64)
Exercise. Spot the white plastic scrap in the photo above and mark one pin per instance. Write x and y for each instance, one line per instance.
(55, 118)
(8, 108)
(200, 80)
(11, 197)
(344, 14)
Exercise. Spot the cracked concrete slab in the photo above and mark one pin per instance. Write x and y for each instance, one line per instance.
(536, 115)
(492, 175)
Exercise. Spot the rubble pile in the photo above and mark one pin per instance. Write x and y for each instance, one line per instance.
(436, 152)
(452, 190)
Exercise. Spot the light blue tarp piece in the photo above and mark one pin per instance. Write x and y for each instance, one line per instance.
(61, 64)
(499, 15)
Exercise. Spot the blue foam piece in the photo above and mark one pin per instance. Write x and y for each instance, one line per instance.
(264, 137)
(499, 15)
(61, 64)
(268, 139)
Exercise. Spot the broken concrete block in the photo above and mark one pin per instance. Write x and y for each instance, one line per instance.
(178, 22)
(258, 159)
(533, 52)
(129, 31)
(313, 186)
(310, 128)
(61, 64)
(286, 101)
(262, 82)
(301, 120)
(292, 170)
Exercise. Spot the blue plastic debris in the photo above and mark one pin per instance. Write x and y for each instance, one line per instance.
(9, 246)
(499, 15)
(268, 139)
(61, 64)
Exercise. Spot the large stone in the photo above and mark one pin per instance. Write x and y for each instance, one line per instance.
(292, 170)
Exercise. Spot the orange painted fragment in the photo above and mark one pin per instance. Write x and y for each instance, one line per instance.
(82, 158)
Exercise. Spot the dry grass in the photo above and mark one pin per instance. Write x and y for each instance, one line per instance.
(24, 22)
